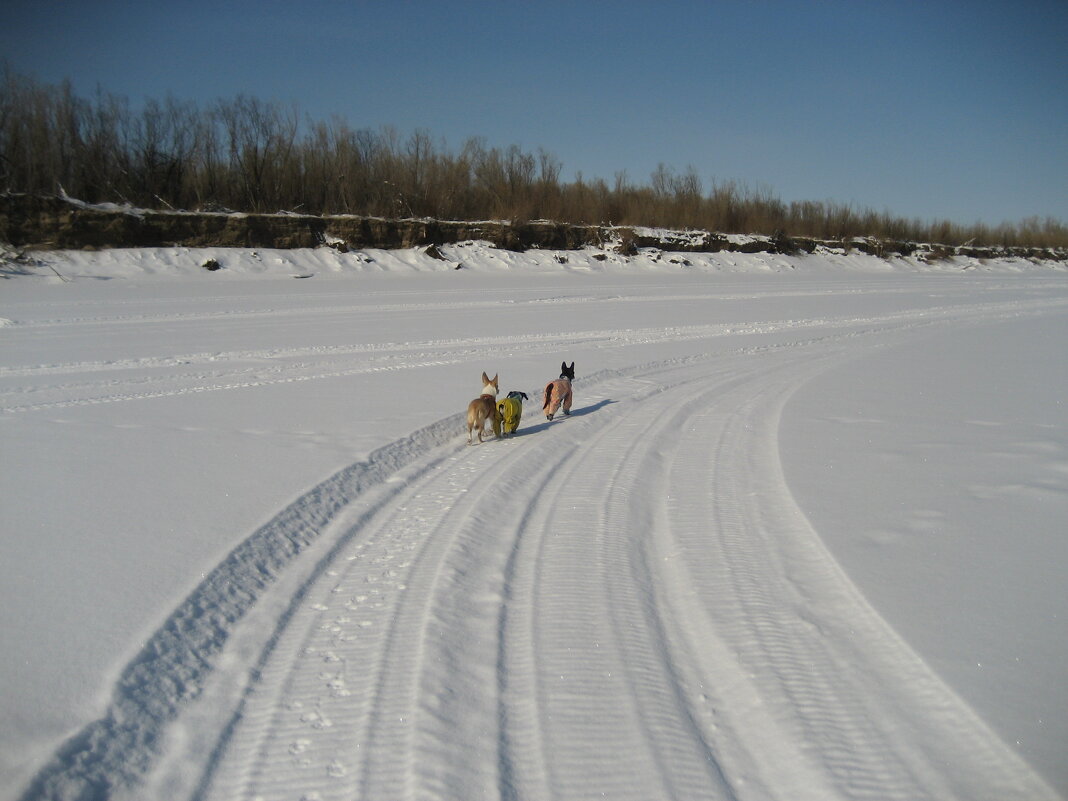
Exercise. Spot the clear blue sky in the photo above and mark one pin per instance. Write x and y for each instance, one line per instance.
(931, 109)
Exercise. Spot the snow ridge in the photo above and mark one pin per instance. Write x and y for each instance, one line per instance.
(116, 751)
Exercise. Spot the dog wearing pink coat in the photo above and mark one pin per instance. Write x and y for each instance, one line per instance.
(558, 392)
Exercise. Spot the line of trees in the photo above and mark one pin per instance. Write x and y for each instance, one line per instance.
(251, 155)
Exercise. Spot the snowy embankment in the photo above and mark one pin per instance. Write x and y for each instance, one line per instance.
(801, 537)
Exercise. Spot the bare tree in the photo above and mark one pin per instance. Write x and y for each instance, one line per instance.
(249, 155)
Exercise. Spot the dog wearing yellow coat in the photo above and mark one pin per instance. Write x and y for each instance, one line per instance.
(510, 410)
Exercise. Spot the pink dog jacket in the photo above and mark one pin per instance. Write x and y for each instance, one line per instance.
(557, 393)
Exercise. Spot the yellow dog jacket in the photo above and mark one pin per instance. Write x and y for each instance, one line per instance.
(511, 410)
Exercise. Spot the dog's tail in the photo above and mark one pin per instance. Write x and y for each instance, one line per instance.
(548, 395)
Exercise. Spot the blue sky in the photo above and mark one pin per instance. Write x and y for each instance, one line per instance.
(931, 109)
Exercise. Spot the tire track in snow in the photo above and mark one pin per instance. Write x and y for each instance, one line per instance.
(837, 702)
(551, 652)
(325, 304)
(154, 378)
(603, 664)
(783, 688)
(112, 755)
(452, 721)
(624, 602)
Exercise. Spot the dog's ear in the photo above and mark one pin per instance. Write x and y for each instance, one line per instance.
(525, 396)
(563, 367)
(494, 381)
(485, 378)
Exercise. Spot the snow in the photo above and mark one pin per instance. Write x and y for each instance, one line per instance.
(670, 237)
(802, 536)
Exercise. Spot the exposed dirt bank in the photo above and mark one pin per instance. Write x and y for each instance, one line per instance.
(40, 223)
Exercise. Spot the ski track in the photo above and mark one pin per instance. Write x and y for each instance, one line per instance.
(516, 620)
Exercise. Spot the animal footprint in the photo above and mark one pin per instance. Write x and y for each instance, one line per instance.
(338, 689)
(299, 746)
(335, 770)
(316, 720)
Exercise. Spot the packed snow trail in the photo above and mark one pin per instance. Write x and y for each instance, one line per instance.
(623, 604)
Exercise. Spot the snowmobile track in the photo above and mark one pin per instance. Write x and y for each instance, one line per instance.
(461, 622)
(475, 637)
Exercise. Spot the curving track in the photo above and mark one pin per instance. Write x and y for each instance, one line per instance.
(623, 604)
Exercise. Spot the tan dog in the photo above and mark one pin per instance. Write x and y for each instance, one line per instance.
(484, 408)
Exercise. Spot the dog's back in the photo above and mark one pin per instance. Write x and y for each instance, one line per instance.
(555, 391)
(511, 411)
(479, 411)
(484, 408)
(558, 391)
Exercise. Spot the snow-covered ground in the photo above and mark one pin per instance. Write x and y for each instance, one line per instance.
(802, 536)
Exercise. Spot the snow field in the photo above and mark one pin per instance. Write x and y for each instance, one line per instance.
(640, 600)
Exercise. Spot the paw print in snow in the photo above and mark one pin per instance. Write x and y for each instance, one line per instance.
(337, 688)
(316, 720)
(335, 770)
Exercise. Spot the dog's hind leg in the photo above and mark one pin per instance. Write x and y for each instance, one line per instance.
(552, 401)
